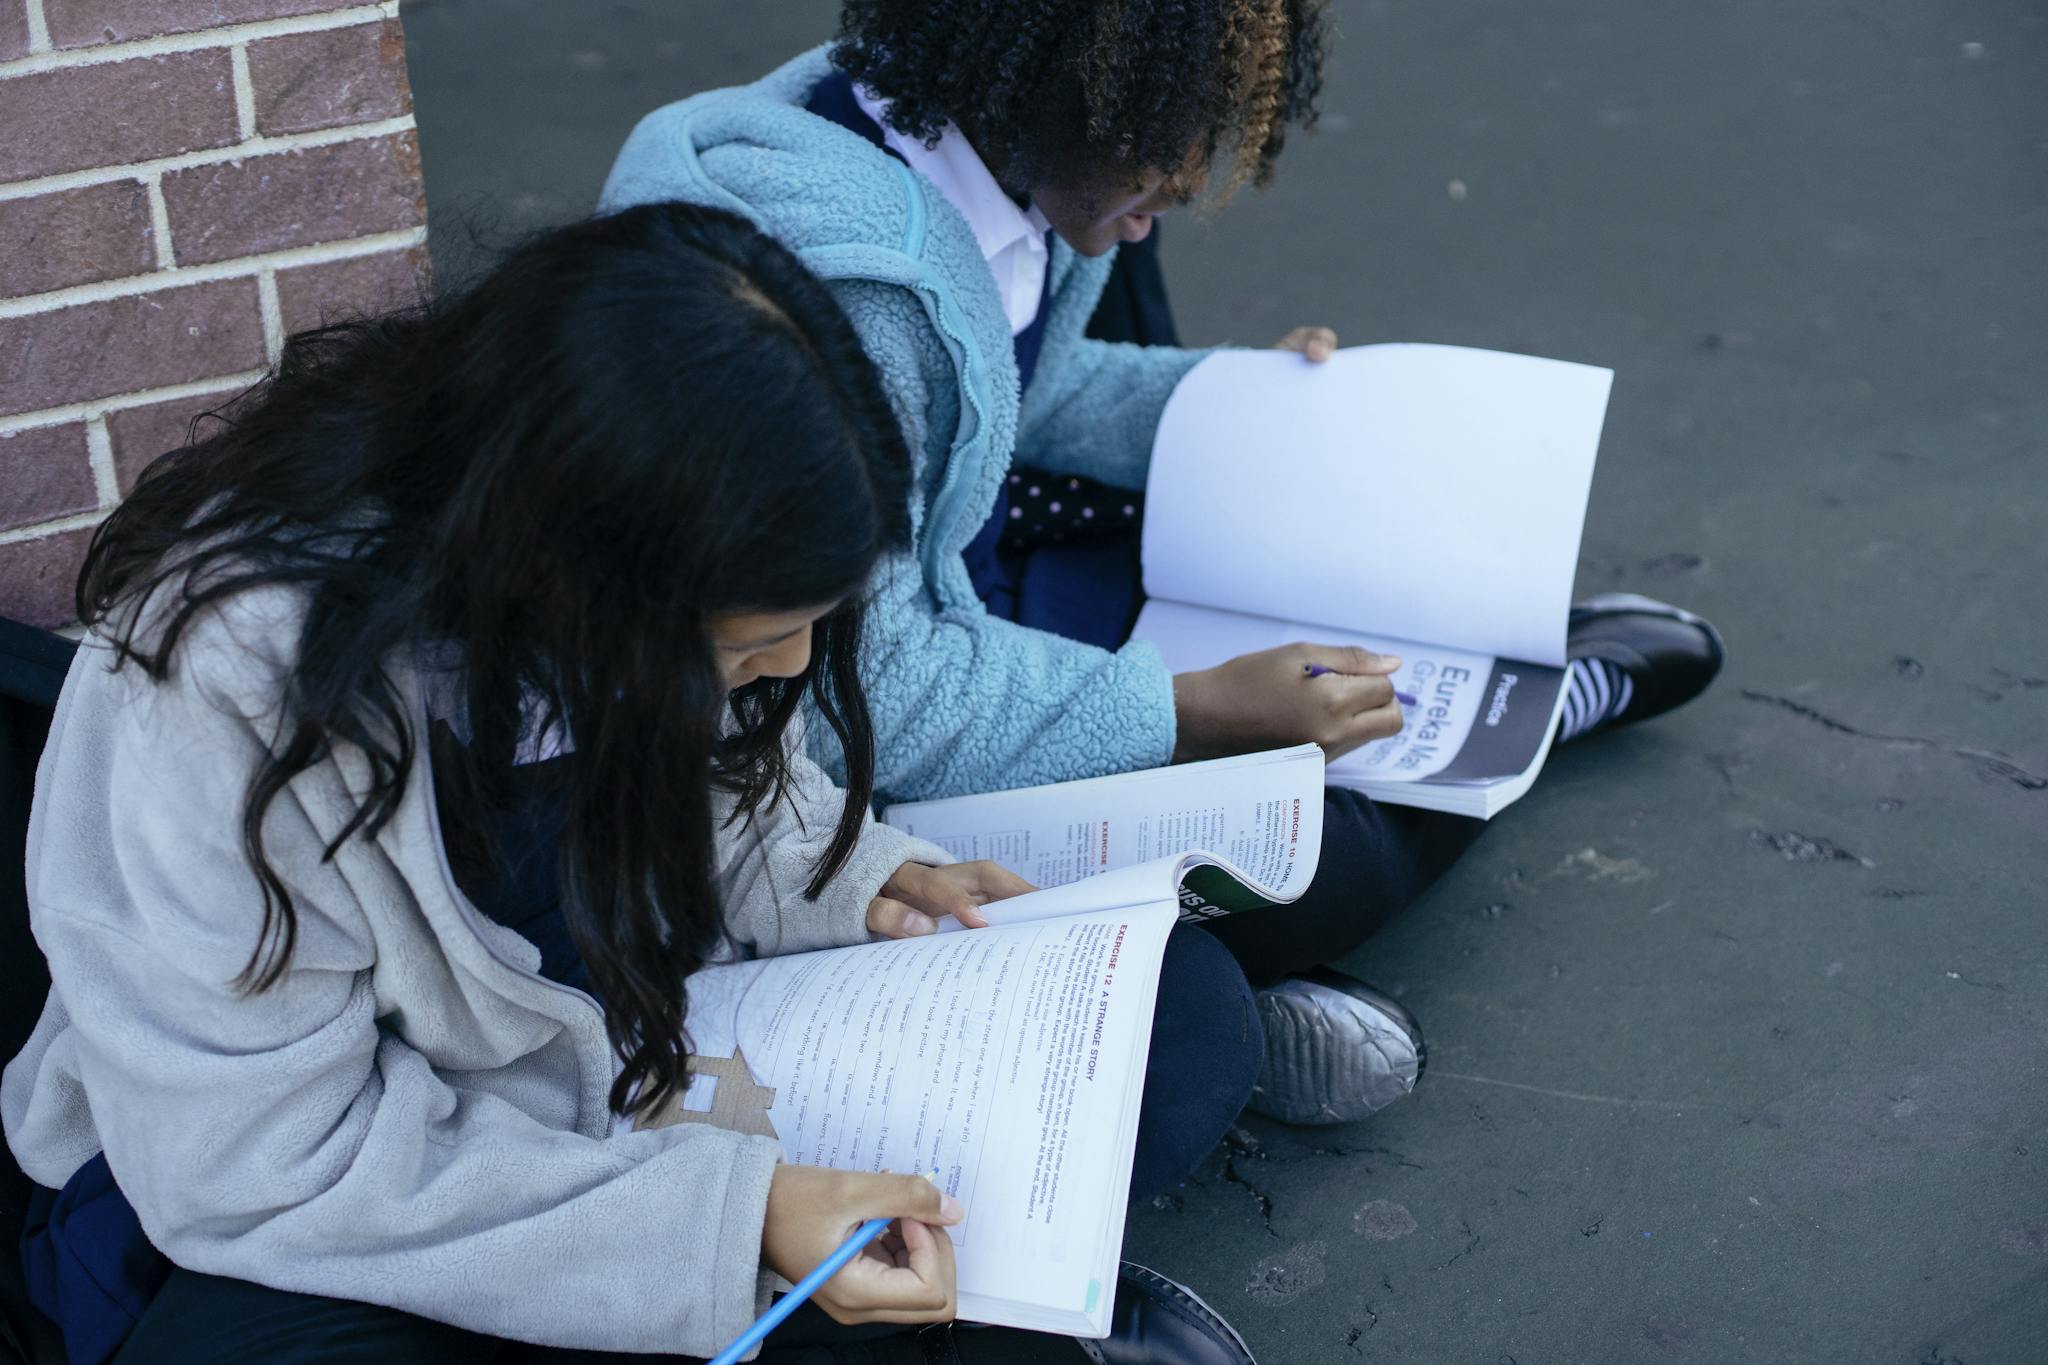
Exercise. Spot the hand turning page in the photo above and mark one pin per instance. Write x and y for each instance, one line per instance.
(1425, 501)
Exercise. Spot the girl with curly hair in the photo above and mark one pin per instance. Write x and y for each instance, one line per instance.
(965, 175)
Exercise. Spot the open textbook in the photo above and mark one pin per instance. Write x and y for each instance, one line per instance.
(1008, 1059)
(1261, 814)
(1425, 501)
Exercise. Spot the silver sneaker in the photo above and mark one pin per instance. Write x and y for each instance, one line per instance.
(1336, 1050)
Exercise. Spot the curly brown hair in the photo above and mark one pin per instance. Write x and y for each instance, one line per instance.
(1083, 89)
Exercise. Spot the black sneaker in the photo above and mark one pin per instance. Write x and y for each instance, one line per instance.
(1154, 1321)
(1336, 1050)
(1632, 658)
(1157, 1321)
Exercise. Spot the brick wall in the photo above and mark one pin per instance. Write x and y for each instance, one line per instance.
(183, 183)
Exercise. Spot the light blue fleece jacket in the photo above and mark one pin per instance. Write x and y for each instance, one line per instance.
(962, 701)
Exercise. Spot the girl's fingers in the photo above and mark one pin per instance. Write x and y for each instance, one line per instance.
(894, 919)
(1350, 660)
(1386, 720)
(902, 1196)
(875, 1288)
(1345, 698)
(957, 889)
(997, 883)
(911, 1282)
(930, 1254)
(906, 1274)
(931, 890)
(1316, 343)
(1352, 694)
(1362, 728)
(917, 1240)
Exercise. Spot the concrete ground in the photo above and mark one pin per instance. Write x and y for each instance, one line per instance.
(1737, 1024)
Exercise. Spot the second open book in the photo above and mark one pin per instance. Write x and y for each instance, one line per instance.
(1424, 501)
(1009, 1059)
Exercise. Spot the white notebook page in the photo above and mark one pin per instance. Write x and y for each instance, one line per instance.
(1415, 491)
(1008, 1060)
(1262, 811)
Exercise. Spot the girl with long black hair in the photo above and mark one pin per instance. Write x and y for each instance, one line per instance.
(435, 723)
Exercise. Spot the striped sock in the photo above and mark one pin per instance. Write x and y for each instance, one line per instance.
(1595, 694)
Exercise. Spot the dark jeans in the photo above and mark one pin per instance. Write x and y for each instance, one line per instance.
(1376, 860)
(1206, 1051)
(203, 1319)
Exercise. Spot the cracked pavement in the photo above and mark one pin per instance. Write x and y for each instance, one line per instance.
(1737, 1023)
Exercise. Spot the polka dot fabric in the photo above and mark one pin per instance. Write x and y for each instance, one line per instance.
(1057, 509)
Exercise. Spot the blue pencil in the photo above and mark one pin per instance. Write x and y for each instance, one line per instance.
(804, 1288)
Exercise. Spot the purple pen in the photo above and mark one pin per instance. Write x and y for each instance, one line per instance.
(1317, 671)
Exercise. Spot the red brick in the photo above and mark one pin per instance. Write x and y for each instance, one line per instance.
(37, 578)
(141, 434)
(51, 241)
(298, 198)
(315, 295)
(97, 350)
(115, 113)
(13, 29)
(330, 78)
(45, 473)
(87, 23)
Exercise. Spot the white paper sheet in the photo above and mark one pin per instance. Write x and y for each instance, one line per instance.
(1411, 491)
(1262, 811)
(1019, 1050)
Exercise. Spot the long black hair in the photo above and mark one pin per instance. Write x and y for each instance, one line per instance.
(559, 478)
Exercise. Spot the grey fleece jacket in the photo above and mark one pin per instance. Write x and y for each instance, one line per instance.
(413, 1116)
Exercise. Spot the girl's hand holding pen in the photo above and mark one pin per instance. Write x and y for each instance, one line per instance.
(905, 1275)
(917, 897)
(1276, 698)
(1318, 671)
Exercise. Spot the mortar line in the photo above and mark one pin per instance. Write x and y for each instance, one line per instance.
(160, 223)
(38, 28)
(239, 267)
(245, 90)
(211, 156)
(99, 447)
(44, 530)
(273, 314)
(47, 57)
(222, 385)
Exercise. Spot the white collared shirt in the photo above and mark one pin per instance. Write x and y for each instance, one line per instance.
(1012, 240)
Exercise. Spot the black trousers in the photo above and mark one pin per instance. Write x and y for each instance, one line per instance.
(1376, 860)
(207, 1320)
